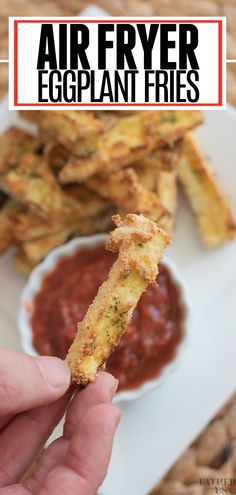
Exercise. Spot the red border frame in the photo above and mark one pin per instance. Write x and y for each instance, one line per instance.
(220, 63)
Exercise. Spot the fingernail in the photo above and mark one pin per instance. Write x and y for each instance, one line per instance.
(55, 371)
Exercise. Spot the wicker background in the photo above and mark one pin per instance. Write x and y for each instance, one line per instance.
(211, 457)
(122, 7)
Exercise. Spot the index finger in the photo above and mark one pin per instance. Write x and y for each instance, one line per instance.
(27, 382)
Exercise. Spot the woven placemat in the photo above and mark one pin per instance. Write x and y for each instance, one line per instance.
(208, 466)
(123, 7)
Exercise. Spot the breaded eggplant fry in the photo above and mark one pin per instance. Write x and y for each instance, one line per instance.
(32, 183)
(140, 244)
(166, 186)
(33, 116)
(214, 218)
(34, 251)
(67, 127)
(131, 139)
(22, 264)
(7, 237)
(56, 155)
(80, 201)
(13, 144)
(147, 175)
(127, 193)
(34, 248)
(29, 226)
(167, 194)
(96, 224)
(149, 168)
(158, 173)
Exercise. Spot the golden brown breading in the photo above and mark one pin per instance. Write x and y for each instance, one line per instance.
(34, 251)
(165, 159)
(215, 220)
(130, 139)
(22, 264)
(32, 183)
(7, 237)
(96, 224)
(13, 144)
(166, 191)
(56, 155)
(158, 173)
(29, 226)
(80, 201)
(140, 244)
(68, 126)
(33, 116)
(127, 193)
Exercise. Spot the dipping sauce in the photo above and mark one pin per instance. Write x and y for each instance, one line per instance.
(150, 340)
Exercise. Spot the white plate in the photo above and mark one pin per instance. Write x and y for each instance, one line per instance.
(157, 428)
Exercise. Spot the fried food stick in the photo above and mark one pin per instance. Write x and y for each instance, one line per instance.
(32, 183)
(214, 218)
(28, 226)
(140, 244)
(129, 195)
(132, 138)
(150, 168)
(13, 144)
(7, 237)
(158, 173)
(33, 249)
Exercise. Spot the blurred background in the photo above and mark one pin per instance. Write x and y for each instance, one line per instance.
(122, 7)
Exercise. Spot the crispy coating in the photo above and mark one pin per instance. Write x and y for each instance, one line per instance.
(33, 116)
(34, 251)
(147, 175)
(127, 193)
(32, 183)
(80, 201)
(96, 224)
(56, 155)
(7, 237)
(67, 127)
(131, 139)
(166, 191)
(29, 226)
(158, 173)
(22, 264)
(13, 144)
(214, 218)
(149, 168)
(37, 236)
(140, 244)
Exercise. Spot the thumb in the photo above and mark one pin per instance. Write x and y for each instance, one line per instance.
(27, 382)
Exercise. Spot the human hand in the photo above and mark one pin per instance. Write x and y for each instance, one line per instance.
(34, 395)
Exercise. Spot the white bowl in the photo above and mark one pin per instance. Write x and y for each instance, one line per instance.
(47, 265)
